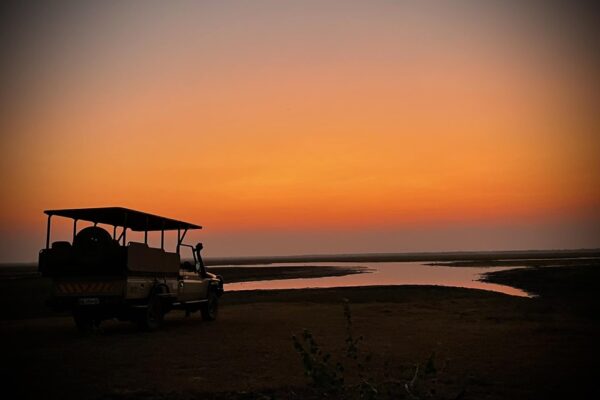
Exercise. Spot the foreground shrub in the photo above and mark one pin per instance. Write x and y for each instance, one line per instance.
(328, 377)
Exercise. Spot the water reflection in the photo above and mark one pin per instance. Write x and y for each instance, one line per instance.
(385, 273)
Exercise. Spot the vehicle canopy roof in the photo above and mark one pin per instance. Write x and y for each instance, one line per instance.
(123, 217)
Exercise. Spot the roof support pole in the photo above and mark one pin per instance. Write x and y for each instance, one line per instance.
(146, 232)
(162, 235)
(124, 229)
(48, 233)
(183, 236)
(74, 229)
(180, 238)
(114, 232)
(121, 235)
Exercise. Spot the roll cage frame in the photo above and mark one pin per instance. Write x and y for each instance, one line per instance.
(120, 217)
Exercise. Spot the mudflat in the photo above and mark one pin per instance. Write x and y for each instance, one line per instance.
(482, 344)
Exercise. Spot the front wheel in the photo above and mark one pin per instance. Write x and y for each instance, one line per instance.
(210, 309)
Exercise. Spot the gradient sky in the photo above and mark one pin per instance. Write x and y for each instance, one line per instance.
(295, 127)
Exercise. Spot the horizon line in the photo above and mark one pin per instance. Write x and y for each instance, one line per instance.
(389, 256)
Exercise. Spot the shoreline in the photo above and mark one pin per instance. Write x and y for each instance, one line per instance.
(408, 257)
(518, 263)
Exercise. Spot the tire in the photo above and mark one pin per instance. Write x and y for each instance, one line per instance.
(210, 309)
(152, 317)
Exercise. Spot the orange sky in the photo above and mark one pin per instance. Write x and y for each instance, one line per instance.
(257, 118)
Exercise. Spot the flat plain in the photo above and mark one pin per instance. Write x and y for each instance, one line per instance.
(481, 344)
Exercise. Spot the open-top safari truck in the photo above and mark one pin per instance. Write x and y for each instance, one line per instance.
(101, 276)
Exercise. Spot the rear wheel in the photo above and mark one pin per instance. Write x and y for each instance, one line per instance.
(210, 309)
(152, 317)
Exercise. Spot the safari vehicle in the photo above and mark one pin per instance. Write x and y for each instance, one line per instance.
(100, 276)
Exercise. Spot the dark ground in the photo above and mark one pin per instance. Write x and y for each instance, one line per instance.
(487, 345)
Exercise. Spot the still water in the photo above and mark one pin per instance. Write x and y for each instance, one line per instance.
(384, 273)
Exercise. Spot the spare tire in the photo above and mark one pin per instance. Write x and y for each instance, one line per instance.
(92, 238)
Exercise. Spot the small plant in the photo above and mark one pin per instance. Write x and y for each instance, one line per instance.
(323, 372)
(328, 376)
(366, 387)
(317, 365)
(351, 343)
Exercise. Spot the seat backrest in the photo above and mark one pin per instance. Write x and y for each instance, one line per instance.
(141, 258)
(61, 245)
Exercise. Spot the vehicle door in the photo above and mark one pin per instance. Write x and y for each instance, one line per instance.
(192, 286)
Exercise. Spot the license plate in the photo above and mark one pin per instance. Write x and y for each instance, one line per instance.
(88, 301)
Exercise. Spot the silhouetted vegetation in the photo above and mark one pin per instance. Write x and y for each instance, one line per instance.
(349, 376)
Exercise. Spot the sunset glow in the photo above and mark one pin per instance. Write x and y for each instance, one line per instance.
(347, 118)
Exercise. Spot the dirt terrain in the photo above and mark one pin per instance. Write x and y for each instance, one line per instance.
(486, 345)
